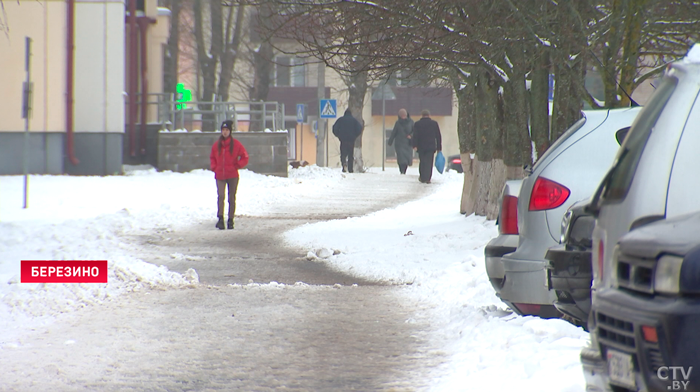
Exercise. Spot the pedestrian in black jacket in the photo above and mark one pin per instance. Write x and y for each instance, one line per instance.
(426, 140)
(347, 129)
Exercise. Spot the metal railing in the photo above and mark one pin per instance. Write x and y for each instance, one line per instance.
(163, 109)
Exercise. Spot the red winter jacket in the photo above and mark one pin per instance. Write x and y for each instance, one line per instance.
(225, 164)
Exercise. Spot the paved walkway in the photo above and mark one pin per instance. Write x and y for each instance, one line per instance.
(332, 333)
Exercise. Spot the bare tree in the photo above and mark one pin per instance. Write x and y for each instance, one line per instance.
(637, 39)
(172, 55)
(216, 50)
(261, 82)
(314, 27)
(492, 50)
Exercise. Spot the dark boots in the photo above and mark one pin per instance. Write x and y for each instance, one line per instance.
(220, 223)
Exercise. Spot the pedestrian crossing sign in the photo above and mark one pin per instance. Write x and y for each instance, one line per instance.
(301, 113)
(328, 108)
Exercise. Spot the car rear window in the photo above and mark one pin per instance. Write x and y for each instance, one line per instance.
(633, 146)
(567, 134)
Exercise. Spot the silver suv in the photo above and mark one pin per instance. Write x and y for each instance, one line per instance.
(570, 170)
(654, 176)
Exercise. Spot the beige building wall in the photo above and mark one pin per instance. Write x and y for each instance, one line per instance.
(45, 23)
(99, 66)
(158, 35)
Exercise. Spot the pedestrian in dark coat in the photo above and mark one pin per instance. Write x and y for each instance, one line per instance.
(347, 129)
(426, 140)
(227, 156)
(401, 135)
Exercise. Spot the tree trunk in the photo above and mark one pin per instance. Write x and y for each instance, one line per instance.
(230, 54)
(172, 55)
(539, 102)
(488, 143)
(468, 201)
(261, 83)
(357, 90)
(208, 62)
(631, 46)
(568, 99)
(611, 52)
(466, 134)
(517, 146)
(489, 178)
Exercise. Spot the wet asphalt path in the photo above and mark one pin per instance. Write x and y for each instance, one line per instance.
(332, 333)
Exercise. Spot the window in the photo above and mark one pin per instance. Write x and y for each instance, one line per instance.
(289, 71)
(567, 134)
(631, 150)
(140, 5)
(408, 78)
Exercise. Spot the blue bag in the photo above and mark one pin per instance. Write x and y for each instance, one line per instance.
(440, 162)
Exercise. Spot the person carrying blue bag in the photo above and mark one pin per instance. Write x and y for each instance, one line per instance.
(440, 162)
(427, 139)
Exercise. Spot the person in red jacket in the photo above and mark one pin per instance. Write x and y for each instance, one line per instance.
(227, 156)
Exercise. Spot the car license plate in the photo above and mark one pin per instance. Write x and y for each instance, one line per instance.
(621, 369)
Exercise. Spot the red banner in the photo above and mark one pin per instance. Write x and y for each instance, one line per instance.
(64, 271)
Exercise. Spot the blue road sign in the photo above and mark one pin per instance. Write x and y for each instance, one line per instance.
(301, 112)
(328, 108)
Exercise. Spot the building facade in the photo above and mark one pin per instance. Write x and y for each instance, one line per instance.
(79, 76)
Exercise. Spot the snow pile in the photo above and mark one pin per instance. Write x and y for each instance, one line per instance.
(78, 239)
(313, 172)
(83, 218)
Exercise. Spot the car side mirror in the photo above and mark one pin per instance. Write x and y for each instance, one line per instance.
(621, 134)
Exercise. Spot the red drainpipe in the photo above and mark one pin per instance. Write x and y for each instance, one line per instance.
(133, 75)
(143, 22)
(70, 53)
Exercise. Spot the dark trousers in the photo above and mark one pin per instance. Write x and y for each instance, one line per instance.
(403, 167)
(221, 185)
(425, 168)
(347, 154)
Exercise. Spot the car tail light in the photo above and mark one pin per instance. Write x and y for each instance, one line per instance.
(457, 161)
(547, 194)
(508, 221)
(528, 308)
(650, 334)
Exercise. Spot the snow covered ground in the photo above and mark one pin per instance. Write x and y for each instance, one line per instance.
(426, 243)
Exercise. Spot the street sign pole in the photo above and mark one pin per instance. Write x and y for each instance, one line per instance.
(320, 139)
(383, 127)
(26, 112)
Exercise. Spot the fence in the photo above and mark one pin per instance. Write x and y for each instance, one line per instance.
(170, 114)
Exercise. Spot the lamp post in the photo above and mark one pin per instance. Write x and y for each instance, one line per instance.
(386, 94)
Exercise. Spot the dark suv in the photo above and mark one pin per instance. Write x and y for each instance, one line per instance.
(569, 271)
(648, 324)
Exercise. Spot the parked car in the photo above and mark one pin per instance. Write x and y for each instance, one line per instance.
(568, 171)
(507, 240)
(454, 162)
(569, 271)
(648, 320)
(654, 177)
